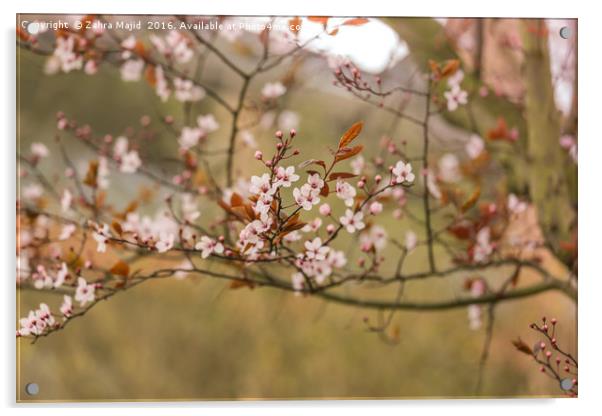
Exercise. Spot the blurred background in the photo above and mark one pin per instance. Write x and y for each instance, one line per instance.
(194, 338)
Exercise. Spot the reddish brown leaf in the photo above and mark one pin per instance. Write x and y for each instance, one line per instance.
(91, 174)
(340, 175)
(351, 134)
(347, 152)
(450, 67)
(319, 19)
(237, 284)
(358, 21)
(120, 268)
(522, 346)
(472, 200)
(236, 200)
(117, 227)
(325, 190)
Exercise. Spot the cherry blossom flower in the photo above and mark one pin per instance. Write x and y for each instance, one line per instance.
(189, 137)
(165, 243)
(286, 176)
(568, 143)
(64, 53)
(67, 307)
(376, 208)
(61, 275)
(207, 123)
(39, 150)
(189, 207)
(120, 147)
(101, 238)
(449, 168)
(84, 293)
(312, 226)
(373, 238)
(474, 317)
(103, 173)
(130, 162)
(315, 250)
(32, 192)
(162, 86)
(402, 172)
(273, 90)
(346, 192)
(431, 185)
(173, 45)
(456, 79)
(298, 282)
(131, 70)
(67, 231)
(455, 97)
(288, 120)
(515, 205)
(483, 247)
(186, 91)
(336, 258)
(262, 185)
(306, 197)
(66, 200)
(352, 222)
(474, 146)
(357, 165)
(91, 67)
(248, 139)
(411, 240)
(315, 182)
(208, 246)
(29, 325)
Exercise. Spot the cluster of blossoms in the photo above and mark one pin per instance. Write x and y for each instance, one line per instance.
(455, 96)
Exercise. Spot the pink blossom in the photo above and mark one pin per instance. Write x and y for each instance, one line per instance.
(352, 222)
(402, 172)
(67, 307)
(84, 293)
(286, 176)
(130, 162)
(315, 250)
(455, 97)
(515, 205)
(131, 70)
(262, 185)
(207, 123)
(66, 200)
(100, 236)
(273, 90)
(346, 192)
(209, 246)
(165, 243)
(411, 240)
(39, 150)
(306, 197)
(186, 91)
(376, 208)
(189, 137)
(67, 231)
(475, 146)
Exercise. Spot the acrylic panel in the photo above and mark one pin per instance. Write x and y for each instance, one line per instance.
(229, 207)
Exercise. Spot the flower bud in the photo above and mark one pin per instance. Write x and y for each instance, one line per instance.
(293, 133)
(279, 134)
(258, 155)
(325, 210)
(376, 208)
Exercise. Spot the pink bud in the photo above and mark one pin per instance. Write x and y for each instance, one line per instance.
(378, 178)
(361, 184)
(258, 155)
(376, 208)
(268, 163)
(330, 228)
(279, 134)
(293, 133)
(325, 210)
(548, 354)
(542, 345)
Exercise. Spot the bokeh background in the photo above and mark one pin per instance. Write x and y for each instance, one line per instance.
(197, 339)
